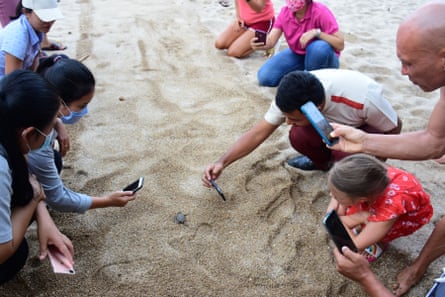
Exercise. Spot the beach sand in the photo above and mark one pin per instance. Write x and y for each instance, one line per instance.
(167, 104)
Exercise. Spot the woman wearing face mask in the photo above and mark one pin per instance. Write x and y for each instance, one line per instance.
(28, 108)
(313, 36)
(20, 40)
(75, 85)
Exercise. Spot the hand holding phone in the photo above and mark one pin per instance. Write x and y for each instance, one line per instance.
(135, 186)
(319, 122)
(261, 36)
(338, 232)
(218, 189)
(59, 263)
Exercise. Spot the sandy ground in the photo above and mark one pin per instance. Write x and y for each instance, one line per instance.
(167, 104)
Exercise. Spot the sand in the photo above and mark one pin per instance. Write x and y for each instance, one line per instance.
(166, 105)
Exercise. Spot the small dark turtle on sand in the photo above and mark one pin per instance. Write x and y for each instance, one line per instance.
(180, 218)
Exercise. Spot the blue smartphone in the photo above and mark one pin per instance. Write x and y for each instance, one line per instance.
(338, 232)
(319, 122)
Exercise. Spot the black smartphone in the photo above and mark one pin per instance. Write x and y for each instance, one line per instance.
(261, 36)
(338, 232)
(218, 189)
(135, 186)
(319, 122)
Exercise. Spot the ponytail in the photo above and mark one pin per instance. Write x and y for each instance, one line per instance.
(26, 100)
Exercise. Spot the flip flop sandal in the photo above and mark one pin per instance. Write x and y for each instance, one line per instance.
(224, 3)
(375, 251)
(54, 46)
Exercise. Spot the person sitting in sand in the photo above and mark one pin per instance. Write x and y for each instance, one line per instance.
(330, 90)
(8, 12)
(313, 37)
(20, 40)
(28, 109)
(378, 201)
(75, 85)
(251, 15)
(422, 56)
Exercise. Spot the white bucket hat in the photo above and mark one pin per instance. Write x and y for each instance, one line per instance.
(46, 10)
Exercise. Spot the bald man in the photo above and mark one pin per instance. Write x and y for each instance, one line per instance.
(421, 50)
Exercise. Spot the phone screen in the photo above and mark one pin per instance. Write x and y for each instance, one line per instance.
(261, 36)
(338, 232)
(135, 186)
(319, 122)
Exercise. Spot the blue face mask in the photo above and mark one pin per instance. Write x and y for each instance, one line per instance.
(74, 116)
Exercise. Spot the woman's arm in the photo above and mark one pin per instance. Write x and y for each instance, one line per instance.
(337, 39)
(49, 235)
(116, 199)
(20, 220)
(62, 137)
(12, 63)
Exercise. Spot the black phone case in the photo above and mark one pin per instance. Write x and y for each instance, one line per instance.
(135, 186)
(338, 232)
(261, 35)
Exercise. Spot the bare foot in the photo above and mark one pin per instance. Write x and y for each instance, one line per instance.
(407, 278)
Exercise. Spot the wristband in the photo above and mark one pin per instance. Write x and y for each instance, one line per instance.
(317, 33)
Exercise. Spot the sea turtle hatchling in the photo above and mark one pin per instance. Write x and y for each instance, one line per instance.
(180, 218)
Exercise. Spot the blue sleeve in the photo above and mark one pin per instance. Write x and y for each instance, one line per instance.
(15, 40)
(5, 201)
(58, 197)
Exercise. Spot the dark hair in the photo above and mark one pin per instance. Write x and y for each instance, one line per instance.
(71, 78)
(26, 100)
(359, 175)
(19, 10)
(296, 88)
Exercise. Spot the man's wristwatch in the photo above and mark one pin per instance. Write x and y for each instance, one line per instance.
(317, 32)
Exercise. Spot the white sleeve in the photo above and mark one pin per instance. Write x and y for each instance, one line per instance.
(274, 115)
(379, 112)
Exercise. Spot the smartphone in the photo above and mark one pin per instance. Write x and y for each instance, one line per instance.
(135, 186)
(319, 122)
(58, 261)
(218, 189)
(261, 36)
(338, 232)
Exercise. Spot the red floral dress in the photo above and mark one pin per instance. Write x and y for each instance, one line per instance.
(404, 199)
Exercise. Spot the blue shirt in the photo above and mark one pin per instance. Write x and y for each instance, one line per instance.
(20, 40)
(5, 198)
(58, 197)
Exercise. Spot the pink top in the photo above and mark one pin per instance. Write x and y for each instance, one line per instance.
(404, 199)
(250, 16)
(317, 16)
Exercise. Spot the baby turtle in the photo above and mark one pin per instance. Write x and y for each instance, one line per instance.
(180, 218)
